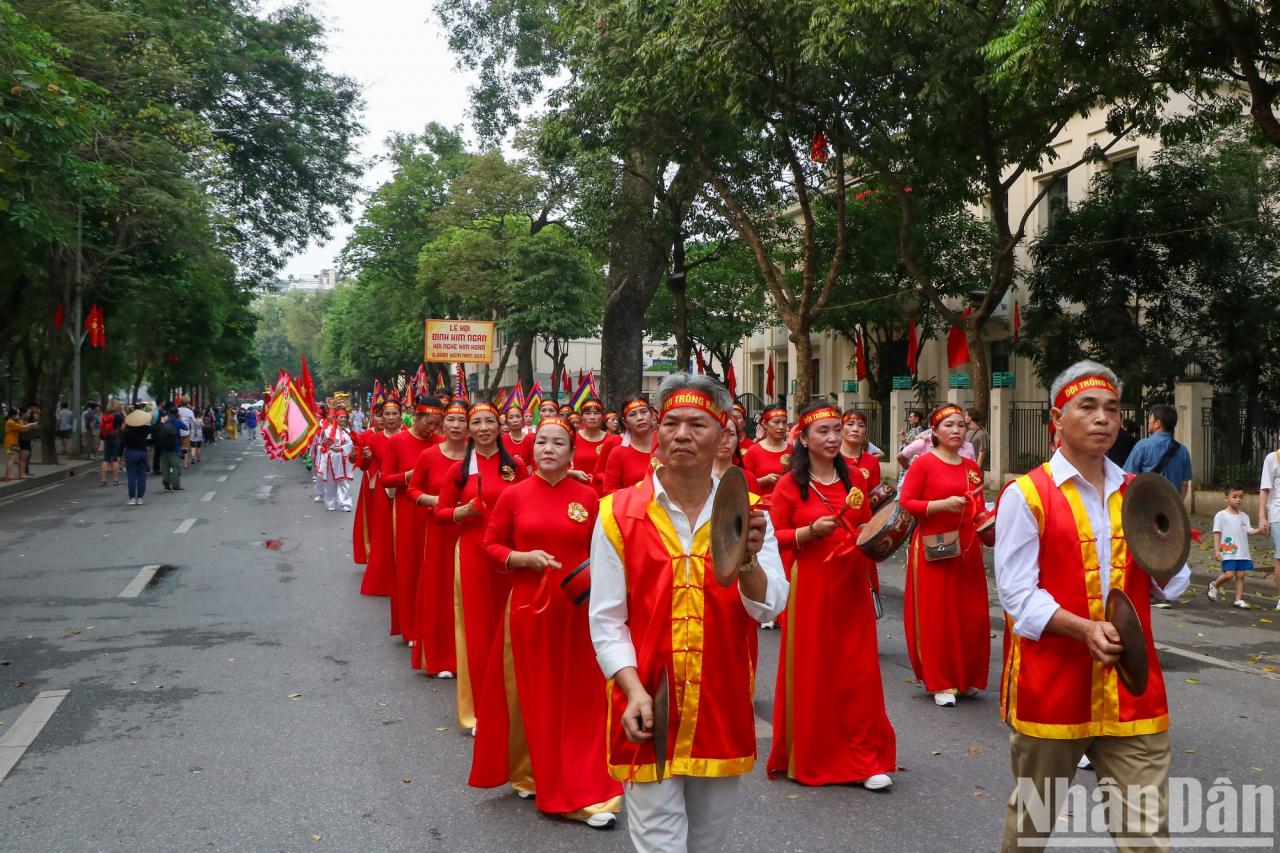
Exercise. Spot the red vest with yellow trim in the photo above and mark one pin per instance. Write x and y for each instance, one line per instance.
(680, 618)
(1052, 687)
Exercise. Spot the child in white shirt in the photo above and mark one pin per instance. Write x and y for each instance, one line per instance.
(1231, 532)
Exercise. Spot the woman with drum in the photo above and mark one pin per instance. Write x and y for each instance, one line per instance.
(470, 489)
(829, 723)
(945, 604)
(770, 457)
(543, 700)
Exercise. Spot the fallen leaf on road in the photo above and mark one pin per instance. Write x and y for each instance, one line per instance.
(1193, 681)
(1257, 769)
(793, 796)
(442, 728)
(231, 660)
(407, 779)
(22, 684)
(973, 750)
(315, 838)
(272, 544)
(901, 768)
(133, 682)
(75, 630)
(979, 791)
(1268, 669)
(1265, 619)
(295, 695)
(1189, 751)
(936, 752)
(5, 662)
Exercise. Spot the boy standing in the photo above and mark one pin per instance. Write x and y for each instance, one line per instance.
(1231, 533)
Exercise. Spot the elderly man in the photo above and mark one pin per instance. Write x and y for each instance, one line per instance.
(658, 615)
(1060, 693)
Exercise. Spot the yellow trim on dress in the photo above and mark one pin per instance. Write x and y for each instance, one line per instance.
(519, 762)
(466, 698)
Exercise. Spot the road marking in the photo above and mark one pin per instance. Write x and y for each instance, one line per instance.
(208, 496)
(139, 582)
(27, 728)
(264, 492)
(222, 479)
(231, 467)
(1225, 664)
(186, 525)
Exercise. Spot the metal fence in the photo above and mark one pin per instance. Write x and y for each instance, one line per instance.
(1028, 435)
(1238, 438)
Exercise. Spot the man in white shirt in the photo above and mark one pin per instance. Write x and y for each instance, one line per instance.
(1056, 558)
(659, 617)
(1269, 509)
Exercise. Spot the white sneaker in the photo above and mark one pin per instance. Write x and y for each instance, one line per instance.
(878, 782)
(602, 821)
(944, 700)
(139, 503)
(768, 626)
(524, 795)
(1212, 592)
(133, 502)
(1243, 605)
(1278, 605)
(346, 509)
(473, 731)
(1084, 763)
(315, 498)
(444, 673)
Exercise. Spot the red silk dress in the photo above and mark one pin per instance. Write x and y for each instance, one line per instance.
(435, 650)
(522, 448)
(610, 442)
(543, 700)
(380, 571)
(829, 721)
(586, 453)
(625, 467)
(359, 520)
(762, 462)
(869, 467)
(479, 591)
(409, 522)
(945, 603)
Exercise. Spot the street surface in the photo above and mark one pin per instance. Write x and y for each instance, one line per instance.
(250, 699)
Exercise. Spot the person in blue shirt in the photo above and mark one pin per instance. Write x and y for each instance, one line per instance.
(251, 423)
(1160, 452)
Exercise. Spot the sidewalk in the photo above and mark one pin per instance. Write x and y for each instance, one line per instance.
(44, 475)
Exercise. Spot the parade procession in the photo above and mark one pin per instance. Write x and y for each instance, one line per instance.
(673, 427)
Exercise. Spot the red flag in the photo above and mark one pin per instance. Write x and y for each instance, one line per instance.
(958, 344)
(702, 366)
(307, 386)
(731, 379)
(768, 380)
(913, 347)
(93, 324)
(58, 314)
(1017, 320)
(860, 358)
(462, 389)
(564, 379)
(818, 148)
(579, 377)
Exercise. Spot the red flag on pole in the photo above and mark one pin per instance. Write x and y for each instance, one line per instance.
(913, 347)
(958, 344)
(702, 365)
(768, 380)
(1017, 320)
(731, 379)
(564, 379)
(307, 386)
(58, 314)
(860, 358)
(93, 324)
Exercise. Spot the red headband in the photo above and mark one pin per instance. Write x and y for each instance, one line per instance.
(690, 399)
(455, 409)
(944, 413)
(818, 415)
(851, 416)
(1079, 386)
(482, 407)
(427, 410)
(560, 422)
(633, 405)
(592, 404)
(770, 414)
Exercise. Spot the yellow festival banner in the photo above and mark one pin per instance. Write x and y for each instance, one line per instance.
(467, 341)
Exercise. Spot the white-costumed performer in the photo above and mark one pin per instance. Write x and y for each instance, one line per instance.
(332, 465)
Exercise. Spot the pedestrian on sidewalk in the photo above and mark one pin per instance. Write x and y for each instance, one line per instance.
(1231, 533)
(197, 440)
(15, 429)
(168, 441)
(157, 452)
(1160, 452)
(251, 424)
(90, 423)
(133, 441)
(109, 430)
(65, 421)
(209, 425)
(1269, 510)
(31, 423)
(185, 422)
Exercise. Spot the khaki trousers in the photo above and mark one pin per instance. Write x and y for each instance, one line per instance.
(1135, 760)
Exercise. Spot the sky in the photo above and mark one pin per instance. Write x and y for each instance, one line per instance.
(396, 50)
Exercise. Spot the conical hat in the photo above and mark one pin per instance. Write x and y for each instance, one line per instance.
(137, 418)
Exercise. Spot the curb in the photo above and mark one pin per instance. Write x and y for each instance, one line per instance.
(67, 472)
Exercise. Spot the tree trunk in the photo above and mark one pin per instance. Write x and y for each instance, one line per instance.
(502, 365)
(677, 283)
(803, 369)
(979, 379)
(524, 359)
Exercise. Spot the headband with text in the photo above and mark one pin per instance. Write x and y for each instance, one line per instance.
(423, 409)
(1079, 386)
(770, 414)
(816, 415)
(456, 409)
(944, 413)
(633, 405)
(481, 407)
(559, 422)
(690, 399)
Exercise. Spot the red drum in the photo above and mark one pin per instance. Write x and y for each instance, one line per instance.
(984, 523)
(886, 491)
(886, 531)
(576, 585)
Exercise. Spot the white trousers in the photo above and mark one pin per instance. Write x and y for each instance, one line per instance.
(336, 493)
(681, 814)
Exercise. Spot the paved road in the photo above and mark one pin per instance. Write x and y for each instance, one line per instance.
(250, 699)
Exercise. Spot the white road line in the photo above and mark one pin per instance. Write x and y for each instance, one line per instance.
(222, 479)
(231, 467)
(263, 492)
(27, 727)
(208, 496)
(139, 582)
(1225, 664)
(186, 525)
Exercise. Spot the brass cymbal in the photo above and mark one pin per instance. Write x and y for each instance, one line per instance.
(1156, 526)
(1133, 667)
(729, 519)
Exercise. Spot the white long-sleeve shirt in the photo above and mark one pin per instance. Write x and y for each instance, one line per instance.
(1017, 551)
(608, 607)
